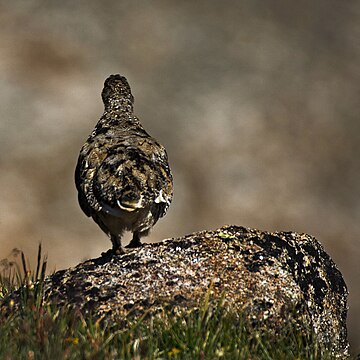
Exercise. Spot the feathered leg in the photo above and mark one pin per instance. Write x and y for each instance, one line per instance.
(135, 242)
(116, 242)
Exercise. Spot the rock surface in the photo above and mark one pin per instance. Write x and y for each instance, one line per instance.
(265, 276)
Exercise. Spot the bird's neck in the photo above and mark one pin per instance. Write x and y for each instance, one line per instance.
(120, 105)
(119, 115)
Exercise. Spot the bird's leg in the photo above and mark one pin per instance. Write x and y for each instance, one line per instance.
(135, 242)
(116, 242)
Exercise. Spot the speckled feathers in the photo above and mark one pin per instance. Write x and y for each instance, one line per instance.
(123, 177)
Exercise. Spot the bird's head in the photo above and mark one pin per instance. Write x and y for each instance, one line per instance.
(117, 92)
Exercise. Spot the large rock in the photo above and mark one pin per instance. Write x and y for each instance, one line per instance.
(272, 278)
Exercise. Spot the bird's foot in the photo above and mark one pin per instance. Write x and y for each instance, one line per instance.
(134, 244)
(111, 252)
(118, 251)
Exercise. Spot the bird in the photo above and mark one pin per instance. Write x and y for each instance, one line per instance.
(122, 176)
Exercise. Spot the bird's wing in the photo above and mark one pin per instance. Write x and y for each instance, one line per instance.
(163, 190)
(89, 160)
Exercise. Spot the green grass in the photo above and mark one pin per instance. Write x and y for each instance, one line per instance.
(38, 331)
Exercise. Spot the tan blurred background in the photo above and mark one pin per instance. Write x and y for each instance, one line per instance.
(256, 102)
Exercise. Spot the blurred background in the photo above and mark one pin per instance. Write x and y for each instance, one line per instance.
(256, 102)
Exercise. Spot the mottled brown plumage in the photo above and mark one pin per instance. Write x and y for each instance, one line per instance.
(122, 176)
